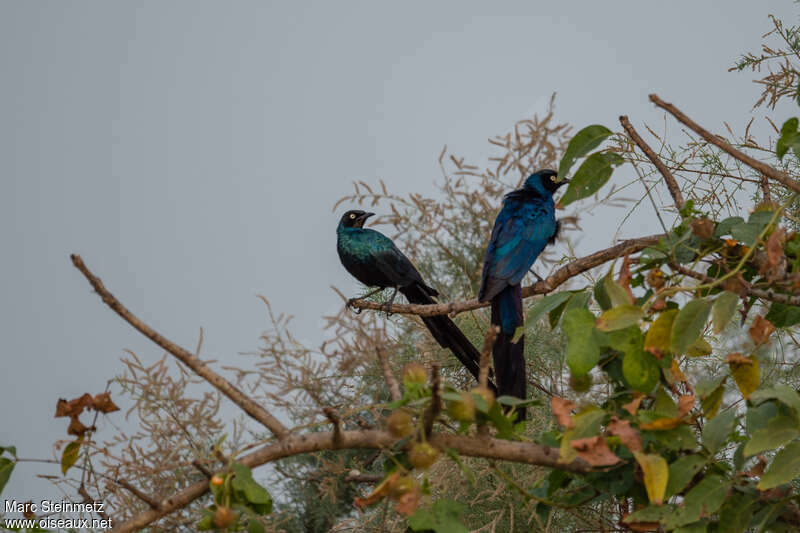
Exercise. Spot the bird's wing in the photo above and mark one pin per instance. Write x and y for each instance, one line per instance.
(519, 236)
(393, 263)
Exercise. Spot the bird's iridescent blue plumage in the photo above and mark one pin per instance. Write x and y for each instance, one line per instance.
(522, 229)
(525, 225)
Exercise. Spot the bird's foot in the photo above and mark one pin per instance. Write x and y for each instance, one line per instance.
(387, 308)
(351, 305)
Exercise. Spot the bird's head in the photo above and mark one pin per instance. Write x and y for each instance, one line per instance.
(355, 218)
(544, 180)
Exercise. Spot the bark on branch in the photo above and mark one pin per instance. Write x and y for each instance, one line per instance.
(672, 185)
(723, 145)
(557, 278)
(489, 448)
(186, 357)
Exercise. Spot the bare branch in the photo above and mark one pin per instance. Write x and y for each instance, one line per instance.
(152, 502)
(488, 448)
(388, 376)
(763, 294)
(672, 185)
(488, 343)
(198, 366)
(723, 145)
(557, 278)
(435, 407)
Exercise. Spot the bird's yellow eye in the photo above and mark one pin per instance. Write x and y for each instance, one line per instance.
(352, 215)
(553, 178)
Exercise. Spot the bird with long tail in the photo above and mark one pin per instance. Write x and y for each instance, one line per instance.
(525, 225)
(373, 259)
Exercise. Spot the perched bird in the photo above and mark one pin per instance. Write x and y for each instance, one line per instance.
(374, 260)
(524, 226)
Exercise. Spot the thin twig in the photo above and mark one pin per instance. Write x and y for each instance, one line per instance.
(435, 407)
(486, 352)
(388, 376)
(669, 179)
(723, 145)
(189, 359)
(152, 502)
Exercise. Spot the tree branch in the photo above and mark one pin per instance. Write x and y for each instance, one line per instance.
(762, 294)
(557, 278)
(672, 185)
(388, 376)
(723, 145)
(195, 363)
(489, 448)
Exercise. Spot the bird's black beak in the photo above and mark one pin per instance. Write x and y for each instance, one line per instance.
(563, 182)
(363, 218)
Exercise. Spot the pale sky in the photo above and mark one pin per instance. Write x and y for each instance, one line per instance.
(191, 152)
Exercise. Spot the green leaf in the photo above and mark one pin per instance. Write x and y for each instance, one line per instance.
(703, 500)
(504, 425)
(723, 310)
(784, 468)
(592, 174)
(737, 512)
(254, 526)
(747, 233)
(689, 324)
(581, 144)
(600, 294)
(619, 317)
(254, 493)
(651, 513)
(682, 471)
(640, 370)
(10, 449)
(782, 393)
(680, 438)
(616, 294)
(6, 467)
(542, 306)
(782, 315)
(711, 402)
(789, 139)
(70, 454)
(725, 226)
(583, 353)
(717, 430)
(779, 431)
(443, 517)
(697, 527)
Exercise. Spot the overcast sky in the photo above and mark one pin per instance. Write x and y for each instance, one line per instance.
(192, 151)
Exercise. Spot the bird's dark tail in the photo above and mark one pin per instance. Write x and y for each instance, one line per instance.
(446, 333)
(509, 358)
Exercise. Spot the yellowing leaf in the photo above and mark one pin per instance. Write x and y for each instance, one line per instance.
(619, 317)
(657, 341)
(745, 372)
(700, 348)
(662, 424)
(70, 454)
(656, 475)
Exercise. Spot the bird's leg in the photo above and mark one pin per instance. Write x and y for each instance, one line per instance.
(387, 306)
(356, 310)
